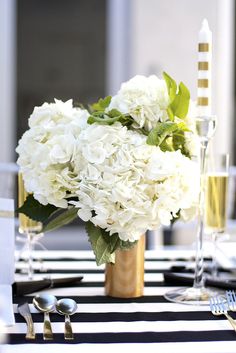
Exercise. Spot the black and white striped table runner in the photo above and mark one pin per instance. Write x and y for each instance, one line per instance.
(149, 321)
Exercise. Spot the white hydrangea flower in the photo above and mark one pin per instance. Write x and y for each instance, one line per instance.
(144, 98)
(46, 151)
(130, 186)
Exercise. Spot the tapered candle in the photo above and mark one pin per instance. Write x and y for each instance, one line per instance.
(204, 70)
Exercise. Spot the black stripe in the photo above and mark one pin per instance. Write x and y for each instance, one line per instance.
(133, 337)
(63, 271)
(102, 299)
(127, 317)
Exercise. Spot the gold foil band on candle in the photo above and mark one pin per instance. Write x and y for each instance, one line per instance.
(203, 101)
(203, 65)
(203, 83)
(6, 214)
(203, 47)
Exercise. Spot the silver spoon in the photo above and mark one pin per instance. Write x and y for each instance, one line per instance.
(45, 303)
(67, 307)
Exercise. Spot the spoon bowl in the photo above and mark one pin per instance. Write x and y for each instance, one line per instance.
(45, 303)
(67, 307)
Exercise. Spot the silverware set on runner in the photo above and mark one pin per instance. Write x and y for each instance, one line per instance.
(47, 303)
(221, 305)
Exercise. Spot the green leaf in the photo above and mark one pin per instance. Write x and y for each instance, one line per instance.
(171, 86)
(180, 104)
(102, 104)
(60, 218)
(35, 210)
(167, 145)
(170, 114)
(103, 244)
(115, 113)
(179, 101)
(110, 118)
(182, 126)
(106, 120)
(162, 130)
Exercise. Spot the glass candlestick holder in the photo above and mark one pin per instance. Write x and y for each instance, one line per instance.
(198, 294)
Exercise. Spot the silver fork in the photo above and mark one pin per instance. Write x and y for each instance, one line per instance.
(231, 300)
(218, 307)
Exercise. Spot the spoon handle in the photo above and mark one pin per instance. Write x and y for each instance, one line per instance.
(68, 335)
(47, 328)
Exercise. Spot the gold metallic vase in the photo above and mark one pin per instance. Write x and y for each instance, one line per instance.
(125, 279)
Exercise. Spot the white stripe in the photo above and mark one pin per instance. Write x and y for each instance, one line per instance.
(94, 277)
(203, 92)
(169, 252)
(176, 347)
(134, 326)
(89, 265)
(129, 307)
(92, 291)
(203, 74)
(204, 56)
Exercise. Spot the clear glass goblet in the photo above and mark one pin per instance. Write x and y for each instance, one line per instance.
(30, 228)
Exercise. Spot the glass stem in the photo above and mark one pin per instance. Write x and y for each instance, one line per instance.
(198, 276)
(214, 271)
(30, 256)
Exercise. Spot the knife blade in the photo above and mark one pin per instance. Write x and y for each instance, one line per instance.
(24, 310)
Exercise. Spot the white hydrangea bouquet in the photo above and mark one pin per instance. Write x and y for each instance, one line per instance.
(123, 165)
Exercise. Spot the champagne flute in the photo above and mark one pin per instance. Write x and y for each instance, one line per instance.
(28, 227)
(216, 201)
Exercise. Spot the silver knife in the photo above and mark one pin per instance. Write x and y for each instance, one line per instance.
(24, 310)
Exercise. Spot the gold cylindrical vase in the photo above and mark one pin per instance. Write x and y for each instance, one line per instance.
(125, 278)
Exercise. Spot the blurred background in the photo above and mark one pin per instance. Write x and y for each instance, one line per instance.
(84, 49)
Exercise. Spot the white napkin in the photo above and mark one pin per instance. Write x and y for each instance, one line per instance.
(7, 262)
(6, 307)
(7, 241)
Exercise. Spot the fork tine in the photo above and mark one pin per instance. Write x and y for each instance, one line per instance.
(213, 304)
(219, 304)
(223, 305)
(231, 299)
(234, 296)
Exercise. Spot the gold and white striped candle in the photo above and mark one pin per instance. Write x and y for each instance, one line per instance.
(204, 70)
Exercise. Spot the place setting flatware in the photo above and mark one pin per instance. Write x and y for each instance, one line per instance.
(221, 305)
(67, 307)
(47, 303)
(24, 311)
